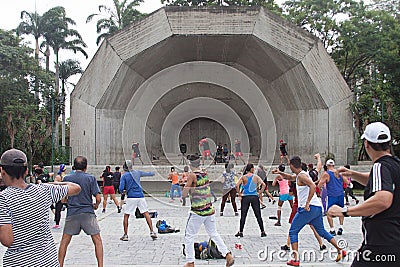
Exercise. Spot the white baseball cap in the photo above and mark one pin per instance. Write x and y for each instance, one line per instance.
(376, 132)
(330, 162)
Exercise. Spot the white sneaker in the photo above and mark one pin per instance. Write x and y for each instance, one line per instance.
(124, 238)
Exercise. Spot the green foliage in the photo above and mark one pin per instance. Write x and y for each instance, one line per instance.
(269, 4)
(122, 14)
(26, 123)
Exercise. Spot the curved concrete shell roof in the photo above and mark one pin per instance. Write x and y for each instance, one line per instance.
(277, 79)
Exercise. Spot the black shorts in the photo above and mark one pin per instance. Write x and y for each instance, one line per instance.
(283, 154)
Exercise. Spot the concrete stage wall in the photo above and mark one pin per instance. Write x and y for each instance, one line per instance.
(225, 72)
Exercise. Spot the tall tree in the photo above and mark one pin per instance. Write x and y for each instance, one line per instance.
(115, 18)
(67, 69)
(59, 36)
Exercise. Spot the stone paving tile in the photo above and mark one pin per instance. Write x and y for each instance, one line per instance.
(141, 250)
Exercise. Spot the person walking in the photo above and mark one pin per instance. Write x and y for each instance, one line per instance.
(108, 189)
(201, 212)
(229, 188)
(380, 210)
(134, 197)
(116, 179)
(80, 212)
(24, 214)
(58, 207)
(283, 193)
(250, 183)
(174, 177)
(308, 212)
(348, 189)
(183, 181)
(334, 187)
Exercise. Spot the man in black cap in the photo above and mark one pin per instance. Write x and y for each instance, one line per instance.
(381, 208)
(21, 203)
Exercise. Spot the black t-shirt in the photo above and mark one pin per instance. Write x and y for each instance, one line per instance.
(282, 148)
(383, 229)
(108, 178)
(117, 177)
(135, 147)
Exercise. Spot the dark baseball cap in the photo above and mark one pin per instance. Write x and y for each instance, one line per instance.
(13, 157)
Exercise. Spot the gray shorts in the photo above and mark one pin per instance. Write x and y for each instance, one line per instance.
(84, 221)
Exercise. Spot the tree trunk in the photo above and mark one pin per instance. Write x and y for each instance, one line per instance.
(57, 123)
(63, 116)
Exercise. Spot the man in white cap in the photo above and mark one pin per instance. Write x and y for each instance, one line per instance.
(23, 205)
(381, 209)
(334, 187)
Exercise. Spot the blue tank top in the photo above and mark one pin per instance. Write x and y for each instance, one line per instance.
(250, 189)
(335, 185)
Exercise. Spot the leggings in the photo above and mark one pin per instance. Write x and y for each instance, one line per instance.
(232, 193)
(349, 192)
(57, 213)
(254, 201)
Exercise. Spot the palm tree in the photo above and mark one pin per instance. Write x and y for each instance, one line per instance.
(59, 36)
(113, 19)
(67, 69)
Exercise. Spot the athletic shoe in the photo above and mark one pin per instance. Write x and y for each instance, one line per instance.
(333, 233)
(357, 201)
(56, 226)
(340, 231)
(341, 255)
(263, 206)
(103, 211)
(293, 263)
(323, 247)
(285, 248)
(277, 224)
(124, 238)
(263, 234)
(273, 202)
(229, 260)
(153, 235)
(236, 213)
(239, 234)
(119, 209)
(221, 214)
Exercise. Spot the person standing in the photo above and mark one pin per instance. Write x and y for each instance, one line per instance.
(24, 214)
(183, 181)
(205, 148)
(174, 177)
(381, 208)
(334, 187)
(80, 212)
(108, 188)
(250, 183)
(136, 152)
(308, 212)
(282, 149)
(202, 212)
(58, 207)
(283, 193)
(229, 188)
(263, 175)
(238, 151)
(130, 180)
(348, 189)
(116, 179)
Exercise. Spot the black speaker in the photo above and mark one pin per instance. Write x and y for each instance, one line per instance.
(182, 148)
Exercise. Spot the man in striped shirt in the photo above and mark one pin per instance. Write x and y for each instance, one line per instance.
(23, 205)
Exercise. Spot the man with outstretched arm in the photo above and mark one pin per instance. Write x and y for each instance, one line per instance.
(381, 209)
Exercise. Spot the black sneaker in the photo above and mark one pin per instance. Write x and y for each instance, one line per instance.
(357, 201)
(103, 211)
(263, 234)
(119, 209)
(323, 247)
(124, 238)
(285, 248)
(333, 233)
(340, 231)
(239, 234)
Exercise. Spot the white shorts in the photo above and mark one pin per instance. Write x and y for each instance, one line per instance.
(133, 203)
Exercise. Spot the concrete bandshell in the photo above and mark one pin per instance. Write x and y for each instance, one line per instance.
(307, 97)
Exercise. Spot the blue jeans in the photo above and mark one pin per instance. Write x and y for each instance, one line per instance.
(173, 188)
(302, 218)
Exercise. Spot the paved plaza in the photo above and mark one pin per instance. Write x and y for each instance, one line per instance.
(140, 250)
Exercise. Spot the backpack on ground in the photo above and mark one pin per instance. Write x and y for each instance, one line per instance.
(205, 250)
(164, 228)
